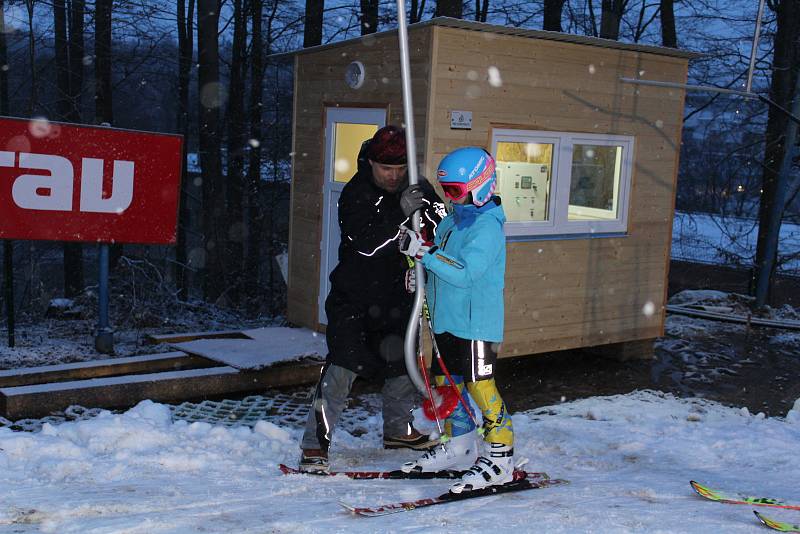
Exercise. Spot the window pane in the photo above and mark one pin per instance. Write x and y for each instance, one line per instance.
(594, 184)
(524, 173)
(348, 138)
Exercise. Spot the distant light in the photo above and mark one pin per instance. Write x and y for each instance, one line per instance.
(740, 188)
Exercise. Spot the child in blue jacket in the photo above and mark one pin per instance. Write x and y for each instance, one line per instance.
(466, 267)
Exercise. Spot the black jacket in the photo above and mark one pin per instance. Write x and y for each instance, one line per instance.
(371, 269)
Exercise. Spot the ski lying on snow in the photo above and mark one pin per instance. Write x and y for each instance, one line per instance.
(521, 484)
(400, 475)
(777, 525)
(728, 498)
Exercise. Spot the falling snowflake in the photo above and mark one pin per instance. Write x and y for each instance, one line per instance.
(494, 77)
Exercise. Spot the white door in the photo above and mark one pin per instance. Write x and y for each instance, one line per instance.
(345, 130)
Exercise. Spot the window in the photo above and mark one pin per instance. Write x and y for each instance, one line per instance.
(348, 138)
(558, 183)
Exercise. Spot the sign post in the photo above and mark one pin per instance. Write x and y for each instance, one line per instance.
(70, 182)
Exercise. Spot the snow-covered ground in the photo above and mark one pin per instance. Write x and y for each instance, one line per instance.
(629, 459)
(707, 238)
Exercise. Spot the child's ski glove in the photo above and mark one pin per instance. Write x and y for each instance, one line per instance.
(412, 244)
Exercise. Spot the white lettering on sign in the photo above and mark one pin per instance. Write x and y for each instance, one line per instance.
(92, 187)
(53, 191)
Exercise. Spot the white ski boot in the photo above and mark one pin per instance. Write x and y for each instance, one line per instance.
(457, 453)
(495, 470)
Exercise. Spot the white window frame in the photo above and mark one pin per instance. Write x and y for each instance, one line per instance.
(558, 223)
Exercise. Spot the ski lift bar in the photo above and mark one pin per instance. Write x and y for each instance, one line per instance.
(688, 87)
(708, 88)
(412, 329)
(754, 48)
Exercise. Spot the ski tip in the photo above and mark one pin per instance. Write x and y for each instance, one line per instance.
(699, 488)
(776, 525)
(285, 469)
(349, 507)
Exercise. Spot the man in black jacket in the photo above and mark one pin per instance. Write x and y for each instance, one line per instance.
(371, 298)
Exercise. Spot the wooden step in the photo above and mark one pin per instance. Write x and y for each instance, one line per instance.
(38, 400)
(149, 363)
(190, 336)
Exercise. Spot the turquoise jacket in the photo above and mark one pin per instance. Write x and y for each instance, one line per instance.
(466, 272)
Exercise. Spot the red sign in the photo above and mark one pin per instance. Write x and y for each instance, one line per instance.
(68, 182)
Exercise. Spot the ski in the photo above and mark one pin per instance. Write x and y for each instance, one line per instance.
(719, 496)
(521, 484)
(777, 525)
(400, 475)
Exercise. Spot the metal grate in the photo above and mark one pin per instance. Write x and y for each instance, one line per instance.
(282, 409)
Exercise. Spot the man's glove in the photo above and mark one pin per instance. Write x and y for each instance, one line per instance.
(411, 199)
(411, 280)
(412, 244)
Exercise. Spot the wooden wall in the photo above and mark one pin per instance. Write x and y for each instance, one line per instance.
(319, 82)
(563, 294)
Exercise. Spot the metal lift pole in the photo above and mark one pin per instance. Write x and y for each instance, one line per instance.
(412, 329)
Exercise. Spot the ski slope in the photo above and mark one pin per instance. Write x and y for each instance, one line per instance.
(629, 459)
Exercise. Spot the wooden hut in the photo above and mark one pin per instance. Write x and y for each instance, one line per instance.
(587, 167)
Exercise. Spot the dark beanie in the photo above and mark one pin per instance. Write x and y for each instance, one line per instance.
(388, 146)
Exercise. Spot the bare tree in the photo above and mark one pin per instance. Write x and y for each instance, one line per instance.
(312, 32)
(416, 9)
(104, 110)
(8, 246)
(69, 80)
(33, 100)
(611, 18)
(552, 15)
(4, 67)
(253, 181)
(449, 8)
(209, 140)
(369, 16)
(481, 10)
(669, 36)
(234, 256)
(786, 56)
(185, 20)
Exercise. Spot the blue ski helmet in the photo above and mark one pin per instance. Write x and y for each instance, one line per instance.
(468, 170)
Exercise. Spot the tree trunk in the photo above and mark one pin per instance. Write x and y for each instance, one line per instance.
(4, 107)
(76, 54)
(62, 59)
(103, 97)
(784, 71)
(416, 10)
(312, 32)
(552, 15)
(33, 100)
(449, 8)
(369, 16)
(209, 141)
(66, 110)
(481, 10)
(103, 110)
(234, 256)
(8, 246)
(610, 18)
(253, 183)
(185, 51)
(669, 37)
